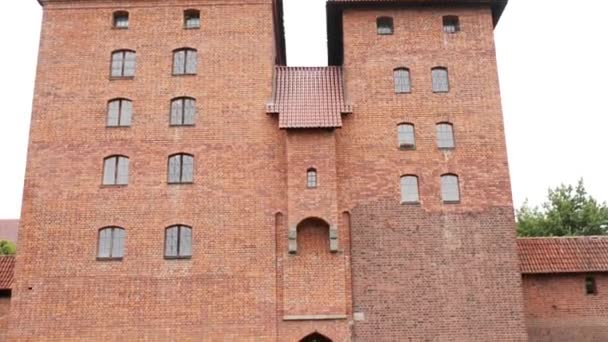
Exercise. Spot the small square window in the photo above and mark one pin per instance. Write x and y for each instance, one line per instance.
(384, 25)
(121, 20)
(451, 24)
(192, 19)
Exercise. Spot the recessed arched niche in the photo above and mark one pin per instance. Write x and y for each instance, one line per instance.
(313, 235)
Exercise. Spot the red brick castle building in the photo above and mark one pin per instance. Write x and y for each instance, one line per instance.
(184, 184)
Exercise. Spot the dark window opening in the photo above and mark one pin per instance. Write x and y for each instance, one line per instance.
(590, 286)
(451, 24)
(121, 20)
(192, 19)
(5, 293)
(384, 25)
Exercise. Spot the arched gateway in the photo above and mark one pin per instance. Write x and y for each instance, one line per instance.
(315, 337)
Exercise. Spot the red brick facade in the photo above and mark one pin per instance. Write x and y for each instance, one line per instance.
(272, 259)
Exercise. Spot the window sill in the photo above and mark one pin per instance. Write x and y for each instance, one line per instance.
(385, 34)
(178, 258)
(120, 28)
(183, 75)
(407, 148)
(188, 125)
(122, 78)
(114, 186)
(441, 92)
(411, 203)
(123, 127)
(109, 259)
(446, 148)
(180, 183)
(451, 202)
(192, 28)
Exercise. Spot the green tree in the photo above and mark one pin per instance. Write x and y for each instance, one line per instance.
(569, 211)
(7, 248)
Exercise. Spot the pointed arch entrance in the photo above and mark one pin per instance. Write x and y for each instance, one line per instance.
(315, 337)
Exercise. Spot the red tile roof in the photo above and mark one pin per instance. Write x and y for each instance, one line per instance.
(7, 267)
(308, 97)
(563, 255)
(9, 230)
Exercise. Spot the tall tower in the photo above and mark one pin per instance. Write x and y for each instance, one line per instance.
(423, 173)
(184, 184)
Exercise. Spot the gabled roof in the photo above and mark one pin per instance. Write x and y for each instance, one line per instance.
(563, 255)
(9, 230)
(308, 97)
(7, 268)
(335, 7)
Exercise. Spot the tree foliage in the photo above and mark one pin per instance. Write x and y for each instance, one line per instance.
(7, 248)
(569, 211)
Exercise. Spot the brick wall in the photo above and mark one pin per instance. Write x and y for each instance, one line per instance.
(227, 290)
(431, 271)
(558, 308)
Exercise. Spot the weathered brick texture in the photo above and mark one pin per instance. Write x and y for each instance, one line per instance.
(559, 310)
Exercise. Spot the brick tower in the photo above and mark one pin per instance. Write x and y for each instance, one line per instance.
(184, 184)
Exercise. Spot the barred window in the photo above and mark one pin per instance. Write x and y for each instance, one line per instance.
(183, 111)
(445, 135)
(119, 113)
(406, 136)
(311, 178)
(440, 80)
(402, 80)
(451, 24)
(192, 19)
(450, 189)
(178, 242)
(121, 19)
(181, 168)
(384, 25)
(123, 63)
(184, 62)
(111, 243)
(116, 170)
(409, 189)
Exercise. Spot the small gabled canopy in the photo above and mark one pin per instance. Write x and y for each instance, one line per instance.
(308, 97)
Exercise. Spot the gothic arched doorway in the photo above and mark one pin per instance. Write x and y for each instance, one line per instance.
(315, 337)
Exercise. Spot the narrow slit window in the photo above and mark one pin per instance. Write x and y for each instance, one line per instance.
(116, 170)
(450, 188)
(178, 242)
(181, 169)
(409, 189)
(123, 64)
(406, 136)
(119, 113)
(384, 25)
(111, 243)
(440, 80)
(590, 286)
(311, 178)
(445, 135)
(451, 24)
(121, 19)
(183, 111)
(192, 19)
(402, 80)
(184, 62)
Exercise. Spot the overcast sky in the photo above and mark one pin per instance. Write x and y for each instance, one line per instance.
(551, 57)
